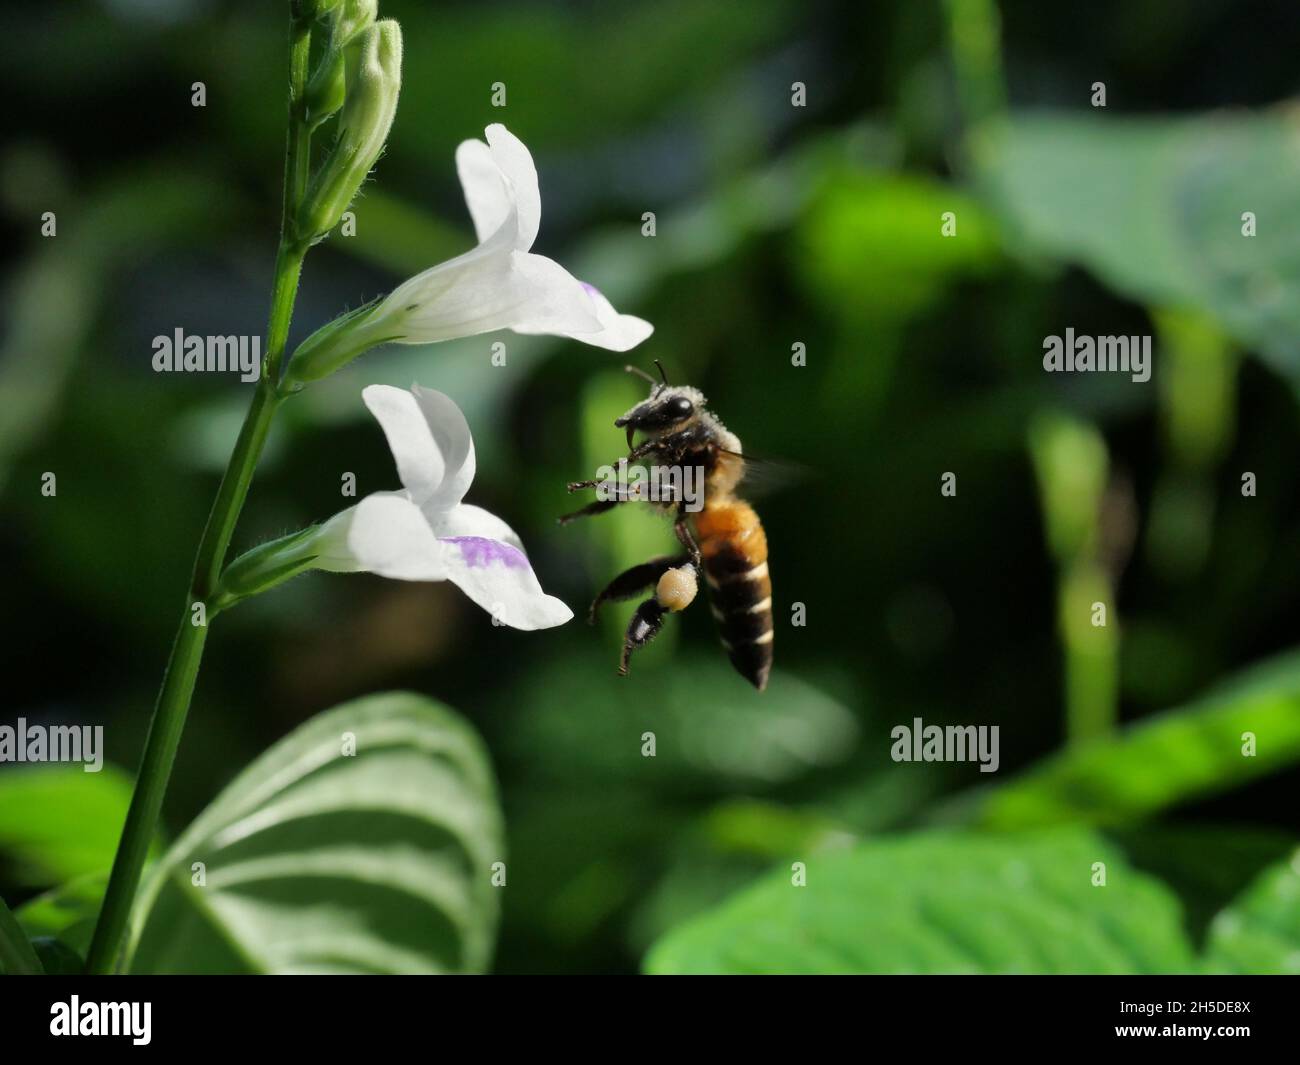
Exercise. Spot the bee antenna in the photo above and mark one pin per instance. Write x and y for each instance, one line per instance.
(663, 375)
(640, 373)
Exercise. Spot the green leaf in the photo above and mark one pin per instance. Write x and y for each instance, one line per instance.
(1153, 207)
(941, 903)
(58, 822)
(1260, 931)
(67, 913)
(1206, 866)
(723, 850)
(319, 861)
(16, 954)
(57, 958)
(1164, 759)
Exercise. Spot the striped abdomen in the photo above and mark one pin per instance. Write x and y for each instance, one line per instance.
(734, 549)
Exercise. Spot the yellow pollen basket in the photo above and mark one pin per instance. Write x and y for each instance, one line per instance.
(676, 589)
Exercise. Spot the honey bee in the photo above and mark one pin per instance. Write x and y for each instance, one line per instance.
(720, 533)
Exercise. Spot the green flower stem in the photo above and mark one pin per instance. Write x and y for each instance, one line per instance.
(187, 650)
(151, 785)
(1091, 652)
(1073, 468)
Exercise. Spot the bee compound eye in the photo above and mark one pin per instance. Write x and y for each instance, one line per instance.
(683, 406)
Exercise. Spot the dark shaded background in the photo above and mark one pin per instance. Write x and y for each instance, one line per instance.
(775, 225)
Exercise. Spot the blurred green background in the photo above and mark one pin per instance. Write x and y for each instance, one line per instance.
(776, 225)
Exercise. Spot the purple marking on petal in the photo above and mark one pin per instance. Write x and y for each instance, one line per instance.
(592, 290)
(479, 551)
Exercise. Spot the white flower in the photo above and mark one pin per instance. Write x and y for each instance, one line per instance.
(500, 284)
(425, 532)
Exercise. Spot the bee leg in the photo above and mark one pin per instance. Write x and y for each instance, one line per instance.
(672, 445)
(674, 591)
(637, 453)
(578, 486)
(685, 537)
(598, 507)
(648, 447)
(644, 627)
(631, 581)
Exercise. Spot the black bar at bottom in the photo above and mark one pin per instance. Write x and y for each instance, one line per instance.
(365, 1014)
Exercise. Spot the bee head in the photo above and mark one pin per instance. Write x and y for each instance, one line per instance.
(666, 409)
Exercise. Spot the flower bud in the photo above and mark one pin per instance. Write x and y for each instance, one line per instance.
(373, 75)
(350, 19)
(317, 9)
(327, 89)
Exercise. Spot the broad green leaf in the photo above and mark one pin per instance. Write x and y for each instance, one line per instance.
(58, 822)
(1162, 760)
(1206, 866)
(725, 849)
(16, 954)
(1260, 931)
(1154, 206)
(319, 861)
(941, 903)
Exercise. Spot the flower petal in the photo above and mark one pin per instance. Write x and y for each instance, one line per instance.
(412, 313)
(497, 576)
(499, 284)
(384, 534)
(615, 332)
(558, 303)
(430, 441)
(469, 520)
(488, 195)
(516, 165)
(455, 446)
(481, 292)
(421, 466)
(497, 178)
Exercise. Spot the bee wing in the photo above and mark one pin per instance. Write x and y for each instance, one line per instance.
(765, 476)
